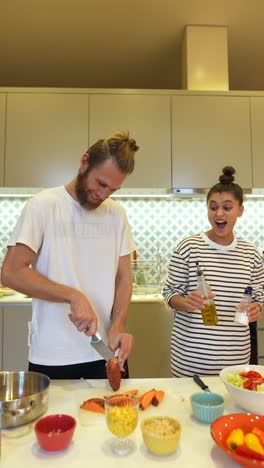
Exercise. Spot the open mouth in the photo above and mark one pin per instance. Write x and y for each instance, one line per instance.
(221, 224)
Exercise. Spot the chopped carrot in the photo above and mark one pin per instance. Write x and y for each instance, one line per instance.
(146, 399)
(132, 392)
(157, 397)
(128, 392)
(94, 404)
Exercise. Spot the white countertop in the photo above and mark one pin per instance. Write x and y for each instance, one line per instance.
(23, 300)
(90, 446)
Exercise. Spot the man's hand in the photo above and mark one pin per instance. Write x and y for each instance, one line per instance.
(82, 314)
(123, 341)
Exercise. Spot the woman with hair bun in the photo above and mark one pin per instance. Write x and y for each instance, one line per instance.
(230, 264)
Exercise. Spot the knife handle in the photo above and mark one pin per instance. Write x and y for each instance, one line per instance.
(199, 382)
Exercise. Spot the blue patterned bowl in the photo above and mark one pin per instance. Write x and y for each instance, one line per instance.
(207, 406)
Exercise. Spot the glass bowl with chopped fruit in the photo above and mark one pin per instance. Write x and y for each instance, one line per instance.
(121, 412)
(161, 434)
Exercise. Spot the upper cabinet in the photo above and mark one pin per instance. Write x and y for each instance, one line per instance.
(208, 133)
(2, 136)
(45, 138)
(147, 118)
(257, 126)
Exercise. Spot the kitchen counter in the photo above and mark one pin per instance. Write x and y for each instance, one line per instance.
(90, 446)
(22, 300)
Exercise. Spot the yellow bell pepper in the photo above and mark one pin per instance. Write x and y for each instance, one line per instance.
(235, 439)
(252, 441)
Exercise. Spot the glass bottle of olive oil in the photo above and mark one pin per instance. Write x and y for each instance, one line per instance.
(209, 313)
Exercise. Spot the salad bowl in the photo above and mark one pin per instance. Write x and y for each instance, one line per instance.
(251, 400)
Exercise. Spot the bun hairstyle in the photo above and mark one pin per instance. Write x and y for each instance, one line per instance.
(118, 146)
(226, 184)
(227, 177)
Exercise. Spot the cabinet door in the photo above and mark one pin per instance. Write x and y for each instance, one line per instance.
(208, 133)
(148, 120)
(2, 136)
(1, 335)
(257, 126)
(151, 325)
(46, 136)
(15, 337)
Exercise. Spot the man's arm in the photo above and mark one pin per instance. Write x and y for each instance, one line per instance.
(17, 274)
(118, 338)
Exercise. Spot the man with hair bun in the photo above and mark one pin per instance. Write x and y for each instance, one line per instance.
(230, 265)
(70, 251)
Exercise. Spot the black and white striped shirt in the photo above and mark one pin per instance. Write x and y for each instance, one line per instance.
(205, 350)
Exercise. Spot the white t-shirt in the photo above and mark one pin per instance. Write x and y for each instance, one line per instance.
(75, 247)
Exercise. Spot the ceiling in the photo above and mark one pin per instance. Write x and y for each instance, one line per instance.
(122, 43)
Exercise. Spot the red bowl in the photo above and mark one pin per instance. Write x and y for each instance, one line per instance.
(55, 432)
(221, 428)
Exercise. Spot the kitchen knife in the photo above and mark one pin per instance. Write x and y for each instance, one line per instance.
(201, 384)
(101, 348)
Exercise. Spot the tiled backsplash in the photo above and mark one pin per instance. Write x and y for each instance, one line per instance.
(157, 223)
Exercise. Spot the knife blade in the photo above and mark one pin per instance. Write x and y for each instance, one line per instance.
(201, 384)
(98, 344)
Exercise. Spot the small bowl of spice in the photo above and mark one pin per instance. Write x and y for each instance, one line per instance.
(207, 406)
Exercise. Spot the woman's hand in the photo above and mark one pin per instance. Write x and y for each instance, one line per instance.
(195, 300)
(254, 311)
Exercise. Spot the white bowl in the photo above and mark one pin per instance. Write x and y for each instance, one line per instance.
(249, 400)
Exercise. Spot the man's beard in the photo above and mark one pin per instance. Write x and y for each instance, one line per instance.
(82, 193)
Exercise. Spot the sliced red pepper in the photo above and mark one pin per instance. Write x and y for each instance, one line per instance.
(250, 374)
(248, 453)
(258, 381)
(249, 384)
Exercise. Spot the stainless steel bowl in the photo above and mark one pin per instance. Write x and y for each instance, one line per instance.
(23, 397)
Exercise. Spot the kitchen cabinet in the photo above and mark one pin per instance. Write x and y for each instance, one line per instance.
(208, 133)
(151, 325)
(1, 334)
(2, 136)
(15, 337)
(147, 117)
(257, 125)
(46, 137)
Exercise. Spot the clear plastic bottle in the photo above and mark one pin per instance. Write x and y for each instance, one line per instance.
(241, 312)
(209, 313)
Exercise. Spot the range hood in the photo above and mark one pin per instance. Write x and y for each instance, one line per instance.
(173, 193)
(177, 193)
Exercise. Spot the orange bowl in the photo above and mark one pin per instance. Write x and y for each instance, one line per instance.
(55, 432)
(221, 428)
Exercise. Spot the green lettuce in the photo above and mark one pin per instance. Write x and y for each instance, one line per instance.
(235, 379)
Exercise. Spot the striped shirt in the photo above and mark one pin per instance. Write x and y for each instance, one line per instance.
(229, 269)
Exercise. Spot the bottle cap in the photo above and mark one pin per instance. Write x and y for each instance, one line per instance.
(199, 271)
(248, 290)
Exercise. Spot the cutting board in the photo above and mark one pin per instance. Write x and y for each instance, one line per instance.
(172, 404)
